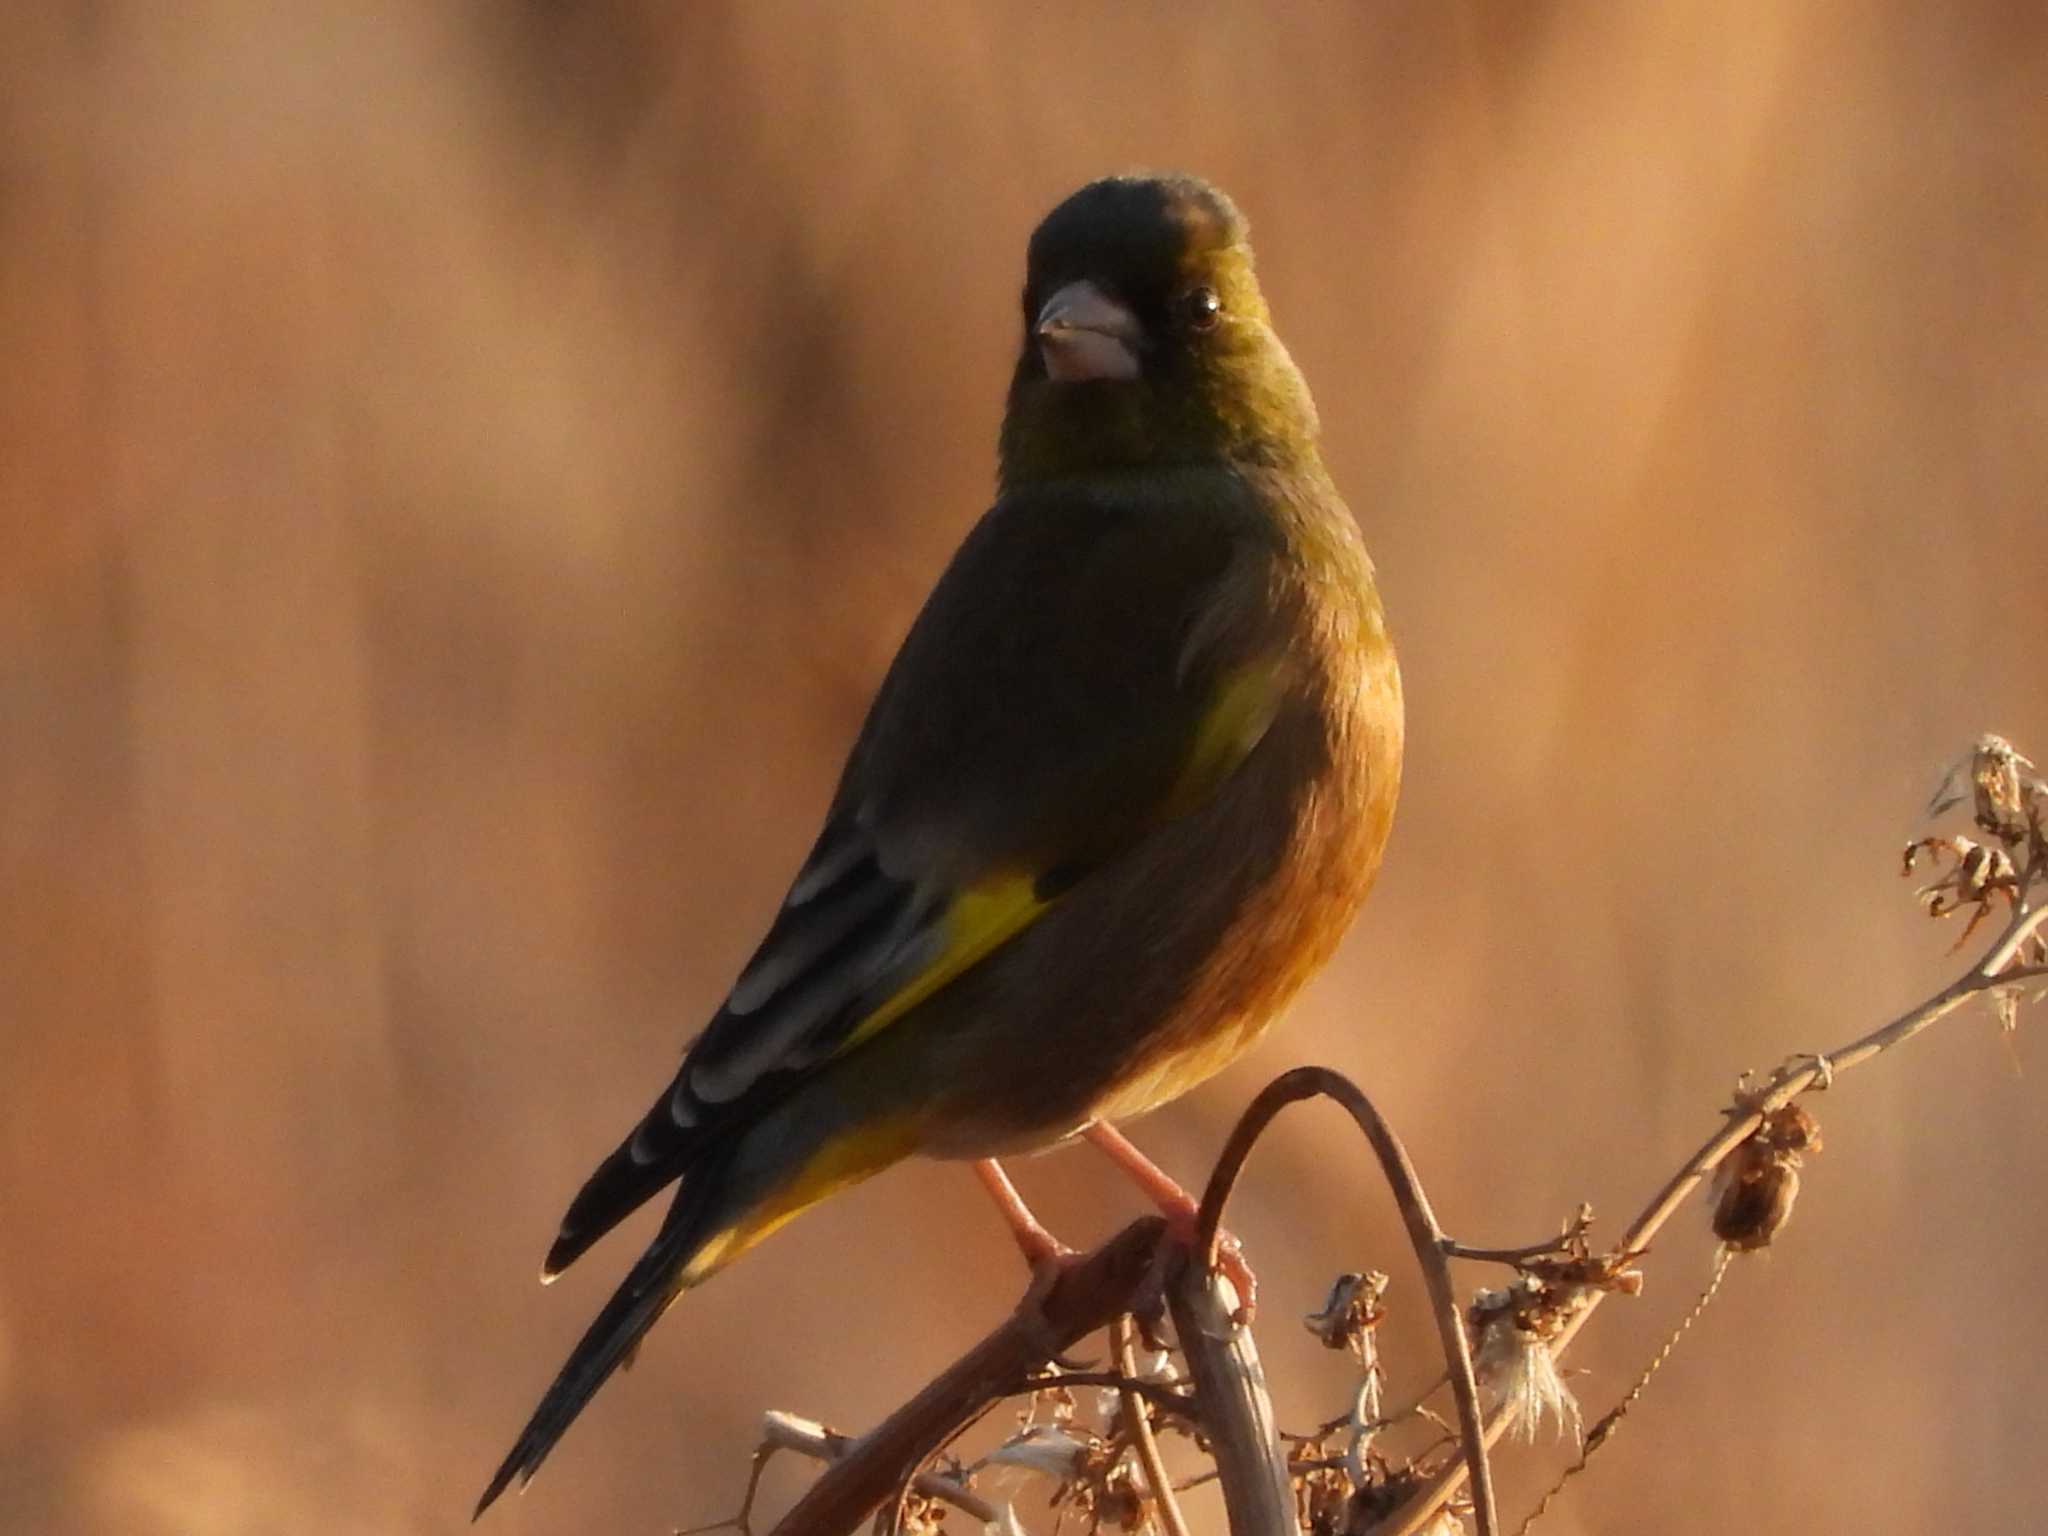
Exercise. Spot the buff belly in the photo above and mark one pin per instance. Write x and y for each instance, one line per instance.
(1134, 997)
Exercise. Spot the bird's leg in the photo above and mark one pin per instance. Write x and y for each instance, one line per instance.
(1048, 1257)
(1040, 1248)
(1180, 1210)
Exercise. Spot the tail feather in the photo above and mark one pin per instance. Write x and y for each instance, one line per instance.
(733, 1195)
(619, 1187)
(662, 1274)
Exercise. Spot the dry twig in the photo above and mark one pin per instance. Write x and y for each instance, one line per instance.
(1102, 1286)
(1424, 1234)
(2010, 801)
(1138, 1424)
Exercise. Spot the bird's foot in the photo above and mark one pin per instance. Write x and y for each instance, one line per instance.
(1048, 1258)
(1231, 1263)
(1182, 1213)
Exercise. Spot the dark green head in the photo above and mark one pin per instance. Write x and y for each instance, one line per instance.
(1146, 340)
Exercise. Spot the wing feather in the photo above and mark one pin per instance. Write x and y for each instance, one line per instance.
(1079, 675)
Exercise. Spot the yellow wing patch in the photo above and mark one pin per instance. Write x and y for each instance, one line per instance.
(982, 917)
(1245, 704)
(993, 910)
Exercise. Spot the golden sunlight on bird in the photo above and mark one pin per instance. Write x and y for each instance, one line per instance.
(1117, 799)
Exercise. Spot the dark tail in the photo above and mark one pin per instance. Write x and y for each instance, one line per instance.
(655, 1154)
(655, 1281)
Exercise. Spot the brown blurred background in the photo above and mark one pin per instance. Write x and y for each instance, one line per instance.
(463, 467)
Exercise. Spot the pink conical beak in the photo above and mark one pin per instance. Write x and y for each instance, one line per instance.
(1084, 334)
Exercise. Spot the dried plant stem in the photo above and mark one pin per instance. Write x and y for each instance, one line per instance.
(1784, 1085)
(1237, 1415)
(1574, 1229)
(787, 1432)
(1092, 1293)
(1229, 1396)
(1138, 1423)
(1610, 1421)
(1424, 1234)
(1796, 1077)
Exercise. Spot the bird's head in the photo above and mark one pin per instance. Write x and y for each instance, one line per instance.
(1146, 340)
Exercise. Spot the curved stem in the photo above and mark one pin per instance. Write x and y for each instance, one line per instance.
(1424, 1235)
(1090, 1294)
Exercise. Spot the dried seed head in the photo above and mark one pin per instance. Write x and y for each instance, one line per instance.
(917, 1514)
(1116, 1500)
(1977, 877)
(1322, 1501)
(1389, 1489)
(1513, 1361)
(1791, 1129)
(1350, 1312)
(1573, 1266)
(1756, 1187)
(1754, 1202)
(2006, 791)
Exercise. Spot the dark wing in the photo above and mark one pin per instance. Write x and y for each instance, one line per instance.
(1086, 668)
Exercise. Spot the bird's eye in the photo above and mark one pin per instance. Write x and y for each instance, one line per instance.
(1201, 308)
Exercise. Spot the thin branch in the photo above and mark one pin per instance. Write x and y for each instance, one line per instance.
(1574, 1229)
(1515, 1256)
(1603, 1431)
(1139, 1426)
(1424, 1234)
(1786, 1084)
(1797, 1076)
(1098, 1288)
(787, 1432)
(1417, 1408)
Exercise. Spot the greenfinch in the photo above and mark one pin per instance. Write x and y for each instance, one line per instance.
(1119, 795)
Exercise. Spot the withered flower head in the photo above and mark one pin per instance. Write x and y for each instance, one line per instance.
(1757, 1185)
(1515, 1325)
(2007, 790)
(2010, 799)
(1978, 876)
(1350, 1312)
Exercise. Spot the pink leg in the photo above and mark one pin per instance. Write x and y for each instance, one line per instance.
(1039, 1247)
(1180, 1210)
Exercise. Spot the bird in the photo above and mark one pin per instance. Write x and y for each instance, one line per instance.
(1118, 796)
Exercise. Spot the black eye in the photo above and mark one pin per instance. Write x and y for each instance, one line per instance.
(1200, 308)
